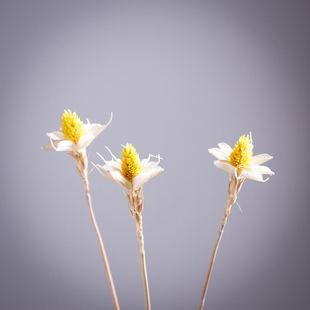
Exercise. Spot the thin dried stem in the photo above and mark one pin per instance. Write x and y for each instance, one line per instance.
(135, 199)
(81, 165)
(217, 243)
(104, 256)
(143, 264)
(233, 189)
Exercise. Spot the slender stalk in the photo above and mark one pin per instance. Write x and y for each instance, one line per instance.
(104, 256)
(143, 264)
(229, 203)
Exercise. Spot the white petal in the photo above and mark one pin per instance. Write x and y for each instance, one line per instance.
(262, 169)
(117, 177)
(150, 165)
(51, 145)
(95, 129)
(225, 166)
(48, 146)
(115, 165)
(56, 135)
(225, 148)
(154, 171)
(219, 154)
(110, 166)
(84, 141)
(66, 146)
(253, 175)
(146, 164)
(139, 180)
(260, 159)
(113, 157)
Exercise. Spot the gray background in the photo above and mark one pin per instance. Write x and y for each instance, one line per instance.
(180, 77)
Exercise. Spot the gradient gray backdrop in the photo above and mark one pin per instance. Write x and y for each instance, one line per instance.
(179, 77)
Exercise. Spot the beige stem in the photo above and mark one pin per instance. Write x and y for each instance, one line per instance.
(104, 256)
(143, 264)
(229, 203)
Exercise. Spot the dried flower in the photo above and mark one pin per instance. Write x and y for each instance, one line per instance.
(74, 138)
(240, 160)
(75, 135)
(130, 172)
(241, 165)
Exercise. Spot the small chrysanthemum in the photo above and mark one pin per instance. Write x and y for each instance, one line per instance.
(240, 160)
(75, 135)
(131, 165)
(72, 126)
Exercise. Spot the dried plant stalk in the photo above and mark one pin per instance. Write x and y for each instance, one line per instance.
(233, 189)
(135, 199)
(82, 163)
(143, 265)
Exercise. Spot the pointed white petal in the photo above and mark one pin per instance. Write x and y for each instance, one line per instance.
(95, 129)
(111, 166)
(52, 145)
(114, 157)
(150, 165)
(139, 180)
(255, 175)
(154, 171)
(85, 141)
(56, 135)
(66, 146)
(225, 148)
(225, 166)
(115, 165)
(219, 154)
(104, 168)
(262, 169)
(260, 159)
(101, 157)
(146, 164)
(48, 146)
(117, 177)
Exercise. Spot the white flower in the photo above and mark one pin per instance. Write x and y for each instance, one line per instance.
(75, 135)
(239, 161)
(130, 173)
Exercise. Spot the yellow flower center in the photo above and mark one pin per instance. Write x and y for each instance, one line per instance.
(241, 156)
(131, 165)
(72, 127)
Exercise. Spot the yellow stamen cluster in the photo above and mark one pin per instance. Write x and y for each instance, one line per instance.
(131, 165)
(72, 126)
(241, 156)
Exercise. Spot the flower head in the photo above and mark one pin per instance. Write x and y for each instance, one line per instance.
(72, 127)
(240, 160)
(131, 165)
(75, 135)
(130, 172)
